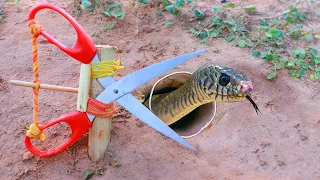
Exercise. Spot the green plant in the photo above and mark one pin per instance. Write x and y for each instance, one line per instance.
(293, 16)
(2, 20)
(175, 6)
(303, 60)
(168, 23)
(112, 10)
(89, 173)
(221, 25)
(268, 39)
(85, 4)
(103, 28)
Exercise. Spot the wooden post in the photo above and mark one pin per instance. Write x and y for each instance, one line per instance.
(100, 132)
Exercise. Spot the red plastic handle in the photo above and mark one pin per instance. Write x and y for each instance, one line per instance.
(79, 124)
(83, 50)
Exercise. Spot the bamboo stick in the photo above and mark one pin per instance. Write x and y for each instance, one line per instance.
(84, 85)
(44, 86)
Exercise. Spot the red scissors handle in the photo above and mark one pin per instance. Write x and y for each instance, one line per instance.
(79, 124)
(83, 50)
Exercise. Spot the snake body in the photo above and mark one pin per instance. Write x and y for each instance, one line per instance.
(207, 84)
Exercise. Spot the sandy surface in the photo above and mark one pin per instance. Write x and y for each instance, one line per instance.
(282, 143)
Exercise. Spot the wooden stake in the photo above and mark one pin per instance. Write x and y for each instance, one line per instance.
(100, 131)
(44, 86)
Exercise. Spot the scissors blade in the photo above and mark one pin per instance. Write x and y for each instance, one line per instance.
(142, 76)
(130, 103)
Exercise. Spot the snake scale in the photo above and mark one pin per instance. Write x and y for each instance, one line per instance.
(207, 84)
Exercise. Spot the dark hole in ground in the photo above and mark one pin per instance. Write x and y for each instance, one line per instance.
(192, 122)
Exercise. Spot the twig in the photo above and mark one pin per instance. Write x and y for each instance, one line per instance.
(314, 94)
(275, 114)
(313, 28)
(220, 116)
(271, 17)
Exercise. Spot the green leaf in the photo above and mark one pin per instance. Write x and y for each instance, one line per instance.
(314, 52)
(291, 20)
(88, 174)
(216, 9)
(263, 54)
(314, 76)
(255, 53)
(317, 36)
(309, 37)
(295, 36)
(231, 5)
(230, 38)
(304, 65)
(3, 21)
(117, 164)
(215, 20)
(301, 72)
(194, 31)
(213, 33)
(300, 52)
(241, 43)
(199, 14)
(169, 8)
(277, 67)
(204, 41)
(111, 26)
(251, 9)
(293, 9)
(117, 14)
(303, 33)
(143, 1)
(274, 33)
(292, 73)
(106, 13)
(85, 4)
(262, 23)
(168, 23)
(203, 34)
(271, 76)
(302, 17)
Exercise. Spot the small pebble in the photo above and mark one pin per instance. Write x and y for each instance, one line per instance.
(263, 163)
(280, 163)
(27, 156)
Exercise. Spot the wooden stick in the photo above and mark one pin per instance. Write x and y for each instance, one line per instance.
(100, 131)
(44, 86)
(84, 84)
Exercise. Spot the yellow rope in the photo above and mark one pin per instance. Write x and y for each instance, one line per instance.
(34, 131)
(105, 68)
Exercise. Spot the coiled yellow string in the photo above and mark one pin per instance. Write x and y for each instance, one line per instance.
(105, 68)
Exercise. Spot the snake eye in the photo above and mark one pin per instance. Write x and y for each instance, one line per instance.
(224, 79)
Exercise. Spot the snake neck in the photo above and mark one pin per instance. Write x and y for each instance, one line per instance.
(175, 105)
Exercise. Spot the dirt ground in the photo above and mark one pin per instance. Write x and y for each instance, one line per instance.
(282, 143)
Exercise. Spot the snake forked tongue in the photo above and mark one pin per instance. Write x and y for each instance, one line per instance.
(254, 104)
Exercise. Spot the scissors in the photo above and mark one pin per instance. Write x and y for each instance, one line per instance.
(85, 52)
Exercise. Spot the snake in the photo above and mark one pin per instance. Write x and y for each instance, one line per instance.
(207, 84)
